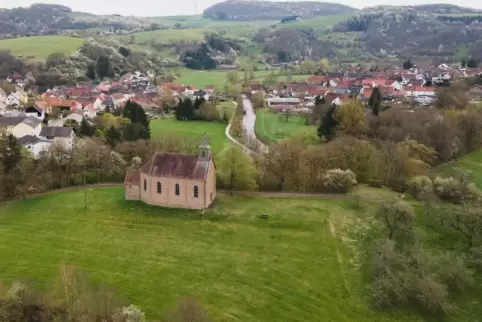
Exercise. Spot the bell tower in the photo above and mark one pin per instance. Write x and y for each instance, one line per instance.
(204, 149)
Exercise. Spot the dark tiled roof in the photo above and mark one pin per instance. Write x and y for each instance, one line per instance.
(30, 139)
(56, 131)
(6, 121)
(176, 166)
(132, 177)
(15, 120)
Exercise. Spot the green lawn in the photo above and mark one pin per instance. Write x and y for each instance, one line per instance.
(218, 78)
(192, 129)
(471, 162)
(296, 266)
(39, 47)
(271, 127)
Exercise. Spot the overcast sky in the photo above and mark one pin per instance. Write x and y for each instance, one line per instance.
(188, 7)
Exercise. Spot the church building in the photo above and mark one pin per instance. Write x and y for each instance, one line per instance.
(174, 180)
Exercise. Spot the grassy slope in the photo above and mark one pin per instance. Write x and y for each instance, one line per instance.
(296, 266)
(192, 129)
(471, 162)
(40, 47)
(271, 127)
(168, 35)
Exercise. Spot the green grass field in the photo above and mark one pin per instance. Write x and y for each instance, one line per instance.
(219, 78)
(40, 47)
(167, 36)
(271, 127)
(293, 267)
(192, 129)
(471, 162)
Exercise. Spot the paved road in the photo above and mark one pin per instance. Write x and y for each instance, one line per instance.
(249, 120)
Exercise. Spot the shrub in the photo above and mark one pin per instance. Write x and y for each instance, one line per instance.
(420, 187)
(455, 190)
(132, 314)
(337, 180)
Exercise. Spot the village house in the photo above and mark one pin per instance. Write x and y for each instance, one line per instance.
(35, 145)
(63, 136)
(174, 180)
(16, 98)
(38, 110)
(21, 125)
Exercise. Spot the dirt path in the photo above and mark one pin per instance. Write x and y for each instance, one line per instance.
(339, 257)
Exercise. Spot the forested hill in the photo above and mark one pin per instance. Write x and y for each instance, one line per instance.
(269, 10)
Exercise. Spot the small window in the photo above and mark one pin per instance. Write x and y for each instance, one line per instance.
(178, 192)
(145, 185)
(159, 187)
(196, 192)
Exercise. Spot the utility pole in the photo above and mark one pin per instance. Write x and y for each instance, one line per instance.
(85, 185)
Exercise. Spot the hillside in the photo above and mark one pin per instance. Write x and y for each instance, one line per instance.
(269, 10)
(407, 32)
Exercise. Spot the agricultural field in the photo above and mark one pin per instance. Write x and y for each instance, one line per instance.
(166, 36)
(471, 162)
(40, 47)
(219, 78)
(192, 130)
(318, 24)
(271, 127)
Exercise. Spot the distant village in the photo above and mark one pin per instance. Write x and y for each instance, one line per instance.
(23, 113)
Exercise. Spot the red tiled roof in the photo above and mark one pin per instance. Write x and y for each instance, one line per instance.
(319, 90)
(176, 166)
(317, 79)
(57, 102)
(133, 176)
(367, 92)
(40, 105)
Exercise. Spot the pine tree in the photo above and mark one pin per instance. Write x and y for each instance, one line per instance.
(375, 101)
(328, 125)
(86, 129)
(112, 136)
(91, 72)
(136, 114)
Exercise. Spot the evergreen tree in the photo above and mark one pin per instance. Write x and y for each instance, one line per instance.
(86, 129)
(91, 72)
(10, 152)
(112, 136)
(103, 67)
(472, 63)
(464, 63)
(136, 114)
(375, 101)
(328, 124)
(185, 110)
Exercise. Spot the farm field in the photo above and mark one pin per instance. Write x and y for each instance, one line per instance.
(40, 47)
(166, 36)
(296, 266)
(271, 127)
(471, 162)
(219, 78)
(193, 130)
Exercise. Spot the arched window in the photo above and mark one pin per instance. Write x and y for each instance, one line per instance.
(145, 185)
(196, 192)
(178, 192)
(159, 187)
